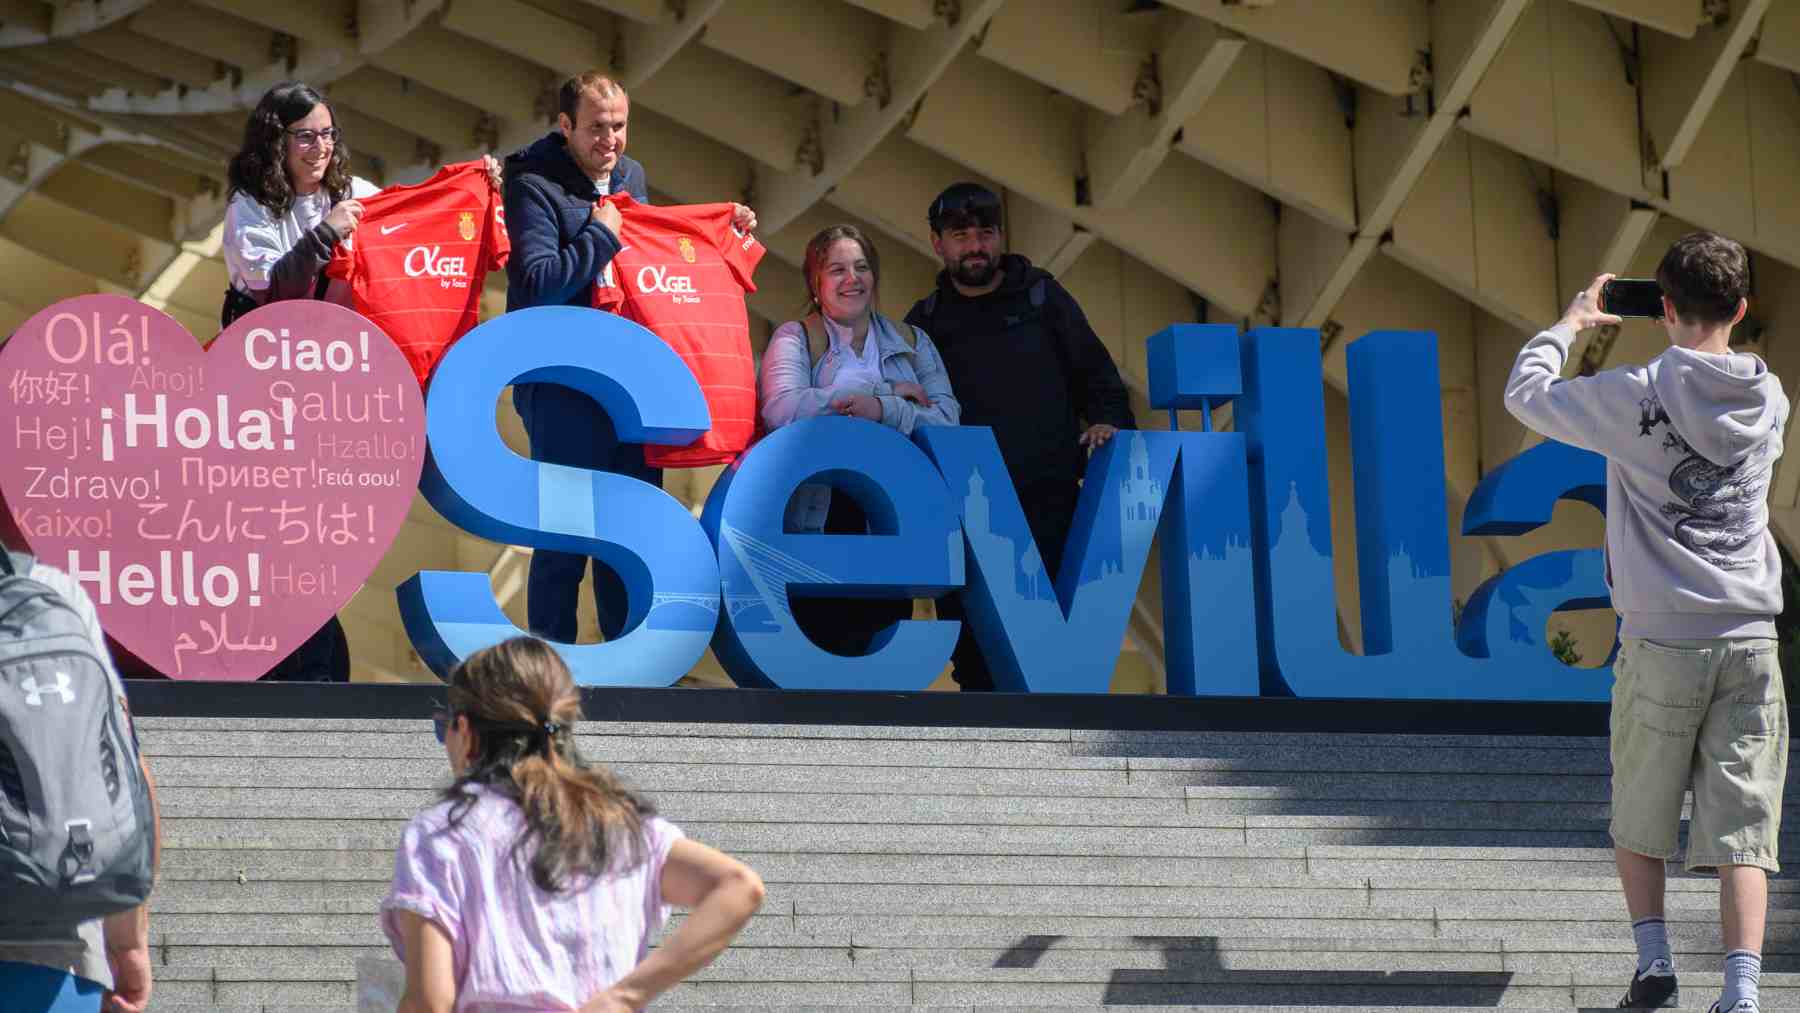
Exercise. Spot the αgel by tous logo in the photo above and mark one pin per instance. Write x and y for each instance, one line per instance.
(657, 279)
(424, 262)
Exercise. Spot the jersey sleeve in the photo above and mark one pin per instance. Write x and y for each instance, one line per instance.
(742, 250)
(609, 294)
(498, 243)
(342, 265)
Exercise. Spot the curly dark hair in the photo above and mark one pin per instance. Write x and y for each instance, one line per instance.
(259, 169)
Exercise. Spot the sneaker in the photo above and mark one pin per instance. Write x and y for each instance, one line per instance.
(1741, 1006)
(1654, 988)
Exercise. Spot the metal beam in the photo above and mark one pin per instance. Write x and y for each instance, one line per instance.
(1091, 50)
(66, 21)
(830, 49)
(321, 22)
(915, 14)
(150, 56)
(84, 243)
(1738, 177)
(1780, 43)
(1393, 151)
(1125, 150)
(129, 165)
(441, 120)
(534, 35)
(765, 119)
(976, 123)
(1381, 43)
(1476, 223)
(218, 35)
(1682, 81)
(914, 62)
(1673, 17)
(89, 192)
(1281, 125)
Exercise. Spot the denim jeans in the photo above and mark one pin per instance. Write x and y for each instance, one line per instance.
(30, 988)
(566, 427)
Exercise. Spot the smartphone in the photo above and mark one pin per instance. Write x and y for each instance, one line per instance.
(1630, 297)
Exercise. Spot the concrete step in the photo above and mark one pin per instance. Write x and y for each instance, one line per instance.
(1212, 753)
(302, 780)
(432, 774)
(1335, 990)
(1303, 899)
(981, 868)
(884, 808)
(614, 748)
(711, 806)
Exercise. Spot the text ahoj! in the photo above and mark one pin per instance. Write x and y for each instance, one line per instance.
(217, 503)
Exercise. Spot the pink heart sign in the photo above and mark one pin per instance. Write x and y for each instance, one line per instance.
(217, 504)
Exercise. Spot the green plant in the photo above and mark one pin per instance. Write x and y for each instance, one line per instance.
(1563, 646)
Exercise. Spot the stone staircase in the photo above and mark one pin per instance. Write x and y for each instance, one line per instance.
(953, 868)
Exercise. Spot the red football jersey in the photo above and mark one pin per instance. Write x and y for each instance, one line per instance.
(682, 273)
(417, 260)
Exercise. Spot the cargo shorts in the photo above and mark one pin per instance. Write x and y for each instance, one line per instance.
(1707, 712)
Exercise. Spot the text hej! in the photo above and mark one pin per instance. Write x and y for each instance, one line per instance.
(171, 480)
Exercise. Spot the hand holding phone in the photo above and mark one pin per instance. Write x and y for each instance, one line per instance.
(1632, 297)
(1585, 309)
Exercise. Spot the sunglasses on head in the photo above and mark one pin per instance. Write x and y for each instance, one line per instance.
(979, 203)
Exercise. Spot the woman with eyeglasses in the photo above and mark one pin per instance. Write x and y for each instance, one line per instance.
(538, 880)
(293, 200)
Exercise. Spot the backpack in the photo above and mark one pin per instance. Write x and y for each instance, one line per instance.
(818, 342)
(1037, 295)
(76, 829)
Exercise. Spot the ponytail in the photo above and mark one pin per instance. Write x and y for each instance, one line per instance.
(580, 821)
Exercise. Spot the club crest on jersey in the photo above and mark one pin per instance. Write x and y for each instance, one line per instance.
(686, 246)
(465, 225)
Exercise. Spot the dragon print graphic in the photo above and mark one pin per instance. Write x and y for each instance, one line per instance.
(1715, 505)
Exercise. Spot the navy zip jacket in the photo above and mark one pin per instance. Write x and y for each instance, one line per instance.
(557, 247)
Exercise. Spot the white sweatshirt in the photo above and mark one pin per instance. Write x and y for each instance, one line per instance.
(1690, 442)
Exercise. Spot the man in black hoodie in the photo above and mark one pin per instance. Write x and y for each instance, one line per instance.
(563, 236)
(1024, 361)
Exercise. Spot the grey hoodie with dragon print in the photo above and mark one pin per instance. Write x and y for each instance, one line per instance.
(1690, 441)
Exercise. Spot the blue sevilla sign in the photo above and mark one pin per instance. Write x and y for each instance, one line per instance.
(1249, 595)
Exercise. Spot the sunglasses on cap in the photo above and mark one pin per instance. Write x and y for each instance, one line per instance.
(970, 200)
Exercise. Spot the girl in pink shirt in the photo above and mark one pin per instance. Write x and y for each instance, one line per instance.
(537, 882)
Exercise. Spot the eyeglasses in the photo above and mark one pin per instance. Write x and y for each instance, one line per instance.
(440, 722)
(968, 198)
(311, 138)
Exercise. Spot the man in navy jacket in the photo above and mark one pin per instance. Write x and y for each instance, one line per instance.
(563, 236)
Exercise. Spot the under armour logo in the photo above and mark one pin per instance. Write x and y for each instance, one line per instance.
(34, 694)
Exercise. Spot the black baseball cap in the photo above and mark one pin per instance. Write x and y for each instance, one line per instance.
(962, 205)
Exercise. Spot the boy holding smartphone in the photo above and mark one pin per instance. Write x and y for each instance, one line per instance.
(1691, 440)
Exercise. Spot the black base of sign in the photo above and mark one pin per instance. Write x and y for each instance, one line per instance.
(1115, 712)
